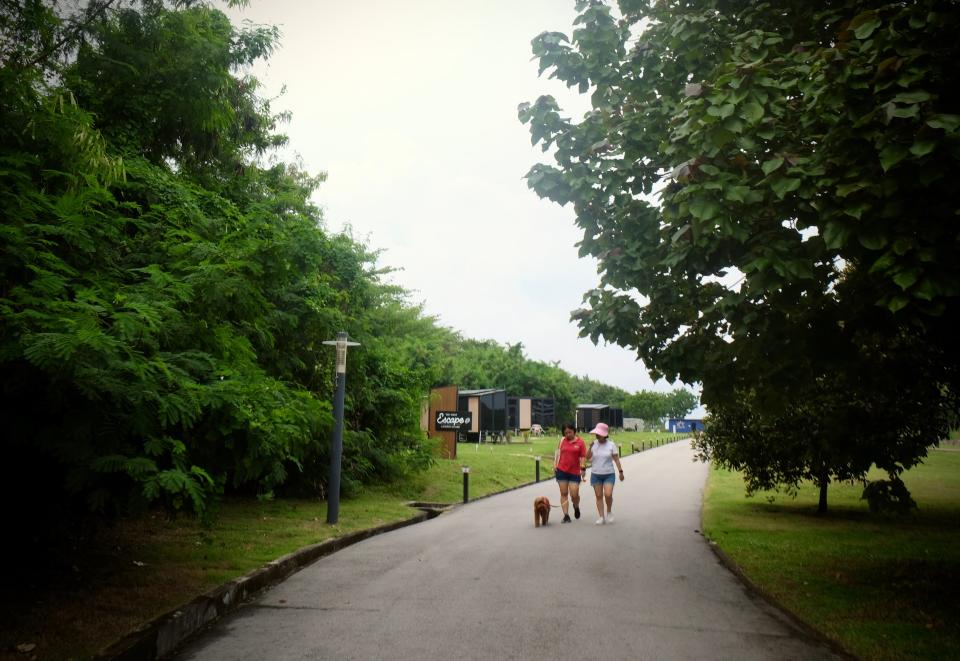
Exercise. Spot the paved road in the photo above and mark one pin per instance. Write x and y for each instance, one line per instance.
(481, 582)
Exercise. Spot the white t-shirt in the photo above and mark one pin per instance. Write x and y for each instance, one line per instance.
(602, 461)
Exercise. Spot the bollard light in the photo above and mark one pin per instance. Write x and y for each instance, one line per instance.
(466, 483)
(336, 449)
(538, 468)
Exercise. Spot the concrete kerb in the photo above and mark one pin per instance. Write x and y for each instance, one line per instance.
(164, 634)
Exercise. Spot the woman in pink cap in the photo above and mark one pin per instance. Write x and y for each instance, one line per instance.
(604, 454)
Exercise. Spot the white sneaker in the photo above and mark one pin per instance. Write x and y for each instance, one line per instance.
(599, 521)
(609, 518)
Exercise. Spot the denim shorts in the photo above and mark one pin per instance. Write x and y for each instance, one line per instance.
(603, 478)
(563, 476)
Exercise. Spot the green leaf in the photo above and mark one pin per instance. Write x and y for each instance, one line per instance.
(733, 124)
(836, 235)
(927, 290)
(903, 245)
(845, 189)
(751, 111)
(783, 185)
(866, 27)
(897, 303)
(894, 110)
(721, 111)
(720, 137)
(918, 96)
(944, 121)
(906, 278)
(704, 208)
(736, 193)
(871, 239)
(857, 210)
(923, 147)
(771, 165)
(891, 155)
(887, 260)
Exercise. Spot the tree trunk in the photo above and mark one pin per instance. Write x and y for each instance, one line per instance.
(823, 482)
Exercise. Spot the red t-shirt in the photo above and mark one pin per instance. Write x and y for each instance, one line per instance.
(570, 453)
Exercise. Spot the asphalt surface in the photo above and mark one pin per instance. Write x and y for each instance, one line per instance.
(480, 582)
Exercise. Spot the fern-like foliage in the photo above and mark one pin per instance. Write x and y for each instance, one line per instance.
(163, 294)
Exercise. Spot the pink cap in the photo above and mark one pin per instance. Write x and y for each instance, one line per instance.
(602, 429)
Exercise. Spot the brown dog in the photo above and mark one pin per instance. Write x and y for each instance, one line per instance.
(541, 511)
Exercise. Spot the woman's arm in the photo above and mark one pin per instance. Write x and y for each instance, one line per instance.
(616, 460)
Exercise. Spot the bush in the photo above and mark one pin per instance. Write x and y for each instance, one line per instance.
(888, 496)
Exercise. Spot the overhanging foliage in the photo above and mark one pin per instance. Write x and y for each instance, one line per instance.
(802, 156)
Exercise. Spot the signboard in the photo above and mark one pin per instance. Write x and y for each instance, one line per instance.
(453, 420)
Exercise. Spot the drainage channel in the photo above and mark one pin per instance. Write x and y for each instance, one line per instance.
(432, 509)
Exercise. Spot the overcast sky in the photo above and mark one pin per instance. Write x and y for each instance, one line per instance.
(411, 109)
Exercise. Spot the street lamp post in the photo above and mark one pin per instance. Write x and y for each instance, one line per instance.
(336, 450)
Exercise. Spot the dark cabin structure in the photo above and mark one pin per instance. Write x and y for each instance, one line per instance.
(616, 418)
(524, 412)
(488, 409)
(588, 415)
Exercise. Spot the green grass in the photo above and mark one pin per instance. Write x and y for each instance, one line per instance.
(496, 467)
(148, 565)
(884, 587)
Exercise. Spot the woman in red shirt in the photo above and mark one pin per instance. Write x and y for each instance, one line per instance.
(570, 467)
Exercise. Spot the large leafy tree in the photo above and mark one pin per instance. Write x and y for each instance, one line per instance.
(805, 227)
(164, 291)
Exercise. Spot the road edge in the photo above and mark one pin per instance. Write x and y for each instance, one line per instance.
(757, 591)
(164, 634)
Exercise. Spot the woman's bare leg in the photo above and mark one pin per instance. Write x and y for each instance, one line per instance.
(564, 488)
(575, 493)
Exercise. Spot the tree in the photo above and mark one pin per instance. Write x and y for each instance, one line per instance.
(646, 405)
(590, 391)
(165, 292)
(879, 410)
(679, 403)
(654, 407)
(488, 364)
(802, 158)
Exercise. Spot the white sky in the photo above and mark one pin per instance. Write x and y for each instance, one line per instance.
(411, 109)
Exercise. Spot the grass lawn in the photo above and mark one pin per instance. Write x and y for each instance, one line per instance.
(495, 467)
(884, 587)
(148, 565)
